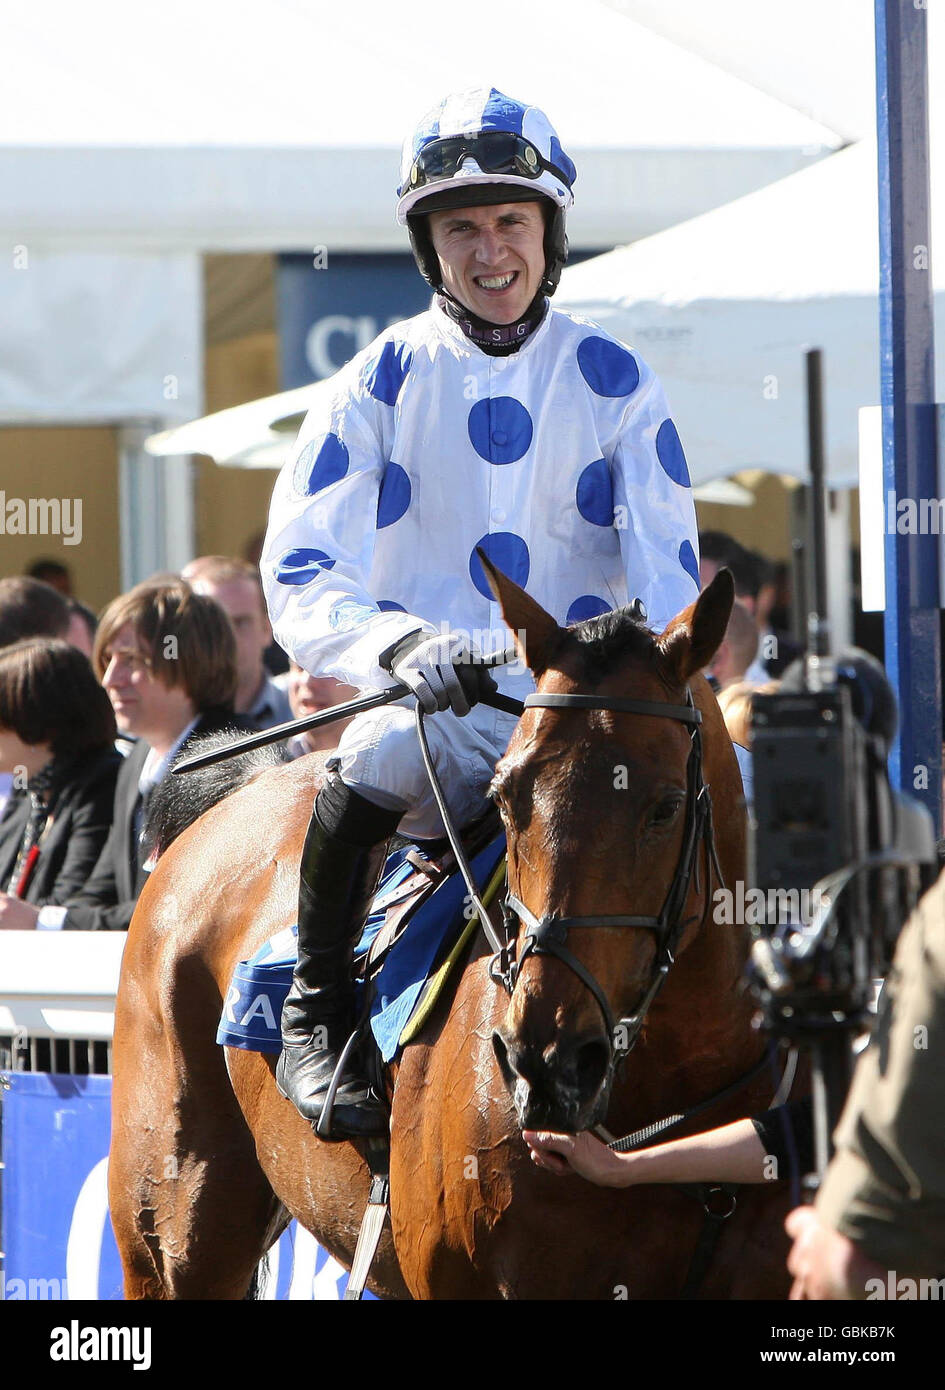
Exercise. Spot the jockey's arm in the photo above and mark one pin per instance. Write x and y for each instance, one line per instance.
(320, 541)
(654, 514)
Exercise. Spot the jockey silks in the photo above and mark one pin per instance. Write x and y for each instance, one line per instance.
(561, 461)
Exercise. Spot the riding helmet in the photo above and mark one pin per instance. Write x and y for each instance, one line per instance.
(480, 147)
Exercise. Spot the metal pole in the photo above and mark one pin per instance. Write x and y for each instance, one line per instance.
(818, 620)
(913, 659)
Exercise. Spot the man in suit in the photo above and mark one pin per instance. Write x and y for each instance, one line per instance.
(167, 658)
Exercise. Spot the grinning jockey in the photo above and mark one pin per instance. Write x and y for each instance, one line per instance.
(490, 420)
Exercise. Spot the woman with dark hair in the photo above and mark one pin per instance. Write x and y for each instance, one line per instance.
(57, 733)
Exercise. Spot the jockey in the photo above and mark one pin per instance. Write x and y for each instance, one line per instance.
(493, 421)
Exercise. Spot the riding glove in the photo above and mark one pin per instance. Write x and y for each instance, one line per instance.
(441, 670)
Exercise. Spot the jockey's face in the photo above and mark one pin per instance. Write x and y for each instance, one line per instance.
(492, 258)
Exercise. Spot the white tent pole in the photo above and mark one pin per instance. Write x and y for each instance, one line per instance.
(156, 506)
(179, 539)
(838, 568)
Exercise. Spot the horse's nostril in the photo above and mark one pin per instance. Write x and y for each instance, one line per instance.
(502, 1057)
(592, 1060)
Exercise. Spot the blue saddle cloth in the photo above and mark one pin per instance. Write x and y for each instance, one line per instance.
(253, 1005)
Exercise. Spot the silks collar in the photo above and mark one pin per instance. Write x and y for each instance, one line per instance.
(496, 339)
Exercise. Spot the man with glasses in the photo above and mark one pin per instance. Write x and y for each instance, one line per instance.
(491, 421)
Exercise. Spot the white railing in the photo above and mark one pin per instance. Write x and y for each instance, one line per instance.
(60, 987)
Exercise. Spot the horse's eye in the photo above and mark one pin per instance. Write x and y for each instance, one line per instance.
(664, 811)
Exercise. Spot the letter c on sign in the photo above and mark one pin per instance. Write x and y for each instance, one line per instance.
(318, 346)
(84, 1247)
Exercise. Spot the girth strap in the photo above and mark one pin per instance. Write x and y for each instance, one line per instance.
(718, 1204)
(378, 1157)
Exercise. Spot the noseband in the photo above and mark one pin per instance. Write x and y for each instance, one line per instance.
(547, 936)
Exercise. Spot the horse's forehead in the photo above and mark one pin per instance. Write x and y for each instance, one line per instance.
(635, 675)
(536, 733)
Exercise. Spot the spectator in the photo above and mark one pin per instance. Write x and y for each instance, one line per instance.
(57, 732)
(237, 588)
(735, 704)
(83, 626)
(277, 663)
(720, 551)
(753, 576)
(307, 695)
(30, 608)
(779, 613)
(54, 573)
(738, 649)
(167, 659)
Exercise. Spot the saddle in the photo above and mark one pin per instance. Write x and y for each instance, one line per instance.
(400, 973)
(432, 863)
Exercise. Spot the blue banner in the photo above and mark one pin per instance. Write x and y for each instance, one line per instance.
(332, 304)
(55, 1229)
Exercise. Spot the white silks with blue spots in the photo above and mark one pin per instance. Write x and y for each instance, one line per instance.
(486, 109)
(560, 461)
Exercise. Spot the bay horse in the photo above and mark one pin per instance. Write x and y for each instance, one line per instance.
(208, 1161)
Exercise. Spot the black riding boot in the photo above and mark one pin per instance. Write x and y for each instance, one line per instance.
(337, 883)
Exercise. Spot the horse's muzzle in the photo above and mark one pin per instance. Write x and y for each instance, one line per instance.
(563, 1085)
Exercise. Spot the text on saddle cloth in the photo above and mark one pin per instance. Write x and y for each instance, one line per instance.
(253, 1005)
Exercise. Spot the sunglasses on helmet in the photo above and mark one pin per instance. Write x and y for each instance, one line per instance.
(495, 151)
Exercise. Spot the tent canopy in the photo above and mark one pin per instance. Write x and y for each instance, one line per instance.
(724, 306)
(228, 127)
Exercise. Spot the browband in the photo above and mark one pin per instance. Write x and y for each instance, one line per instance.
(687, 713)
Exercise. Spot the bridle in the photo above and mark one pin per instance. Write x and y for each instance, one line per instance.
(548, 935)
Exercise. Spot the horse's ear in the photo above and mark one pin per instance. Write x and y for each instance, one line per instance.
(536, 633)
(691, 640)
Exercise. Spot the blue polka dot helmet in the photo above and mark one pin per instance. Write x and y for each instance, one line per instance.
(478, 147)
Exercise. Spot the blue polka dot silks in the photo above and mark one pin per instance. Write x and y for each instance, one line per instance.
(560, 462)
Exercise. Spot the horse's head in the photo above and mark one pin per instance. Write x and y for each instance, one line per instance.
(602, 806)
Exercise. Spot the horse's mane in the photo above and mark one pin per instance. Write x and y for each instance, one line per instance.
(605, 641)
(178, 801)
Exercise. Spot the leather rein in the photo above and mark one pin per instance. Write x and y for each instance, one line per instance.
(548, 935)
